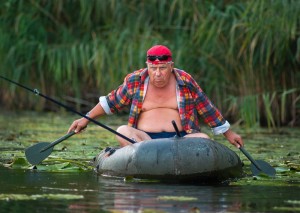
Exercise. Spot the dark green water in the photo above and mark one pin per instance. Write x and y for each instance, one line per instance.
(55, 187)
(106, 194)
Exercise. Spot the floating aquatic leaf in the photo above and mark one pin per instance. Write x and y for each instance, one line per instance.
(53, 167)
(294, 166)
(18, 163)
(262, 176)
(282, 169)
(63, 167)
(295, 202)
(137, 180)
(148, 211)
(287, 209)
(40, 196)
(177, 198)
(128, 179)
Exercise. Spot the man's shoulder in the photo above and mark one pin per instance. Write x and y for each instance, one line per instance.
(183, 75)
(136, 75)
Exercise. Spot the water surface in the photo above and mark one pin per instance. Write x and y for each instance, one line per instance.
(106, 194)
(24, 190)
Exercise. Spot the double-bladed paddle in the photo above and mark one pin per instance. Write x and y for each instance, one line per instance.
(259, 166)
(40, 151)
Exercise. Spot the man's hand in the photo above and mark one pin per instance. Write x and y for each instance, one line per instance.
(78, 125)
(234, 138)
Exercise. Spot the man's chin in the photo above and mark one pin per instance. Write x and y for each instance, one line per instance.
(159, 83)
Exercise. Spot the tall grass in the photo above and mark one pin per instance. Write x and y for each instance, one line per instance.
(245, 54)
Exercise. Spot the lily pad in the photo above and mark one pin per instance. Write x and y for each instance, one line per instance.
(282, 169)
(53, 165)
(40, 196)
(294, 202)
(19, 163)
(177, 198)
(286, 208)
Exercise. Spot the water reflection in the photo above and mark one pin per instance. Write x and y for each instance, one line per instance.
(139, 196)
(104, 194)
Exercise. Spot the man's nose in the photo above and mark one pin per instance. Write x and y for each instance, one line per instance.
(157, 72)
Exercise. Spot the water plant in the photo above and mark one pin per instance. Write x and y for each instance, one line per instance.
(247, 50)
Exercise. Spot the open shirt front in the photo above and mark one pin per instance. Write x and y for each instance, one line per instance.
(192, 101)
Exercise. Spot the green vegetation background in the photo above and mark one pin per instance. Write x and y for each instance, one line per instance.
(244, 54)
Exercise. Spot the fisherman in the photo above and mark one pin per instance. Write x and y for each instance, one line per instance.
(157, 95)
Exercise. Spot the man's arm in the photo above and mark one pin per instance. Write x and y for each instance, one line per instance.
(79, 124)
(234, 138)
(214, 118)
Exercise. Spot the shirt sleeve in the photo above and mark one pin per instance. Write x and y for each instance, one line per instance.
(119, 98)
(206, 109)
(221, 129)
(105, 106)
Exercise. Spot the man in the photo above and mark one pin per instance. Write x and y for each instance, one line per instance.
(157, 95)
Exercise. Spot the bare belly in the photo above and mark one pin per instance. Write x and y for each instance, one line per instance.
(159, 120)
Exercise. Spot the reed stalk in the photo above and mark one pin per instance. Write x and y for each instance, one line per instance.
(83, 49)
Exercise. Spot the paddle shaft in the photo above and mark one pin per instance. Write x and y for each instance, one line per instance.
(250, 158)
(176, 129)
(58, 141)
(35, 91)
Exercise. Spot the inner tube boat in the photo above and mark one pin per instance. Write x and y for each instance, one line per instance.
(178, 159)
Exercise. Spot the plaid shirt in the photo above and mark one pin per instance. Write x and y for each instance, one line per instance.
(192, 102)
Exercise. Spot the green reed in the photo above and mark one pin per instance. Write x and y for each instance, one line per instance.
(244, 55)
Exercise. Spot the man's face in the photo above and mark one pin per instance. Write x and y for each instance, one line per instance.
(160, 74)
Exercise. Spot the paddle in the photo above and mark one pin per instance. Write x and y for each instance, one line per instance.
(259, 166)
(38, 152)
(43, 148)
(36, 92)
(176, 129)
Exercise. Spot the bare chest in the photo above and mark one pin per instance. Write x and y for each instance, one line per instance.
(160, 98)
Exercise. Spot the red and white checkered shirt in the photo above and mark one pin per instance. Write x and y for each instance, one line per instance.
(192, 101)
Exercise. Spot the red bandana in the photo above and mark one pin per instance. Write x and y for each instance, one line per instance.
(159, 50)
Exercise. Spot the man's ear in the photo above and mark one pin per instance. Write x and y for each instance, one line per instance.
(172, 65)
